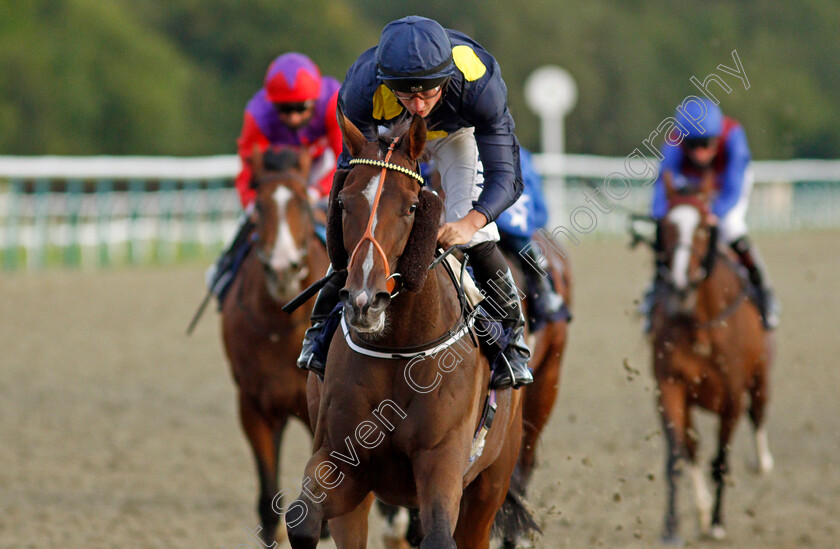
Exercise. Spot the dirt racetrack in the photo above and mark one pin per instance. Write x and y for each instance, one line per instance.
(116, 430)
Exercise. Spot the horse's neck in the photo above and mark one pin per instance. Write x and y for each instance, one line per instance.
(720, 289)
(255, 286)
(417, 318)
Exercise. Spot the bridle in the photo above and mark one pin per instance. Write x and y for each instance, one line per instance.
(711, 252)
(391, 281)
(266, 256)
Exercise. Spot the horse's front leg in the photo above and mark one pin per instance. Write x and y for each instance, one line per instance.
(439, 477)
(265, 442)
(328, 490)
(673, 409)
(720, 465)
(350, 531)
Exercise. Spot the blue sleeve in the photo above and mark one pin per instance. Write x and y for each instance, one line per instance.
(673, 158)
(497, 146)
(732, 178)
(534, 187)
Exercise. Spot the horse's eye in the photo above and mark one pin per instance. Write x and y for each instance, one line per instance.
(412, 209)
(340, 203)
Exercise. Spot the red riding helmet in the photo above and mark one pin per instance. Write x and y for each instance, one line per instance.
(292, 78)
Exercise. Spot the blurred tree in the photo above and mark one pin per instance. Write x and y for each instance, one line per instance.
(162, 77)
(82, 77)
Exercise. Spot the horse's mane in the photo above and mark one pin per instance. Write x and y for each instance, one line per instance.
(280, 160)
(399, 129)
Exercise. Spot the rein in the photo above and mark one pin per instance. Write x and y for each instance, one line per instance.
(390, 282)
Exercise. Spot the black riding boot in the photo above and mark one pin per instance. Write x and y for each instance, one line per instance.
(494, 278)
(220, 275)
(313, 354)
(547, 303)
(767, 302)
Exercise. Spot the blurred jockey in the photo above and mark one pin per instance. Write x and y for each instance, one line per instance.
(718, 143)
(419, 67)
(517, 226)
(296, 107)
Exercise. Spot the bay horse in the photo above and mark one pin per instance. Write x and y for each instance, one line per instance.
(400, 425)
(709, 349)
(262, 342)
(547, 345)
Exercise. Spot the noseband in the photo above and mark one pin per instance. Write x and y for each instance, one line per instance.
(390, 282)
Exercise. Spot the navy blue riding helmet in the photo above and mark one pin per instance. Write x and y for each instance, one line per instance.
(414, 55)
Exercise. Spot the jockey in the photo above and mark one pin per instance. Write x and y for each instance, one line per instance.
(295, 107)
(517, 226)
(419, 67)
(712, 141)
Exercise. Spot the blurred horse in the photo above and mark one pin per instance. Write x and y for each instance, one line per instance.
(709, 349)
(547, 344)
(389, 421)
(261, 341)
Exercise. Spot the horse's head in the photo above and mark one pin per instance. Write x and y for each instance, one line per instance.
(283, 218)
(382, 225)
(689, 243)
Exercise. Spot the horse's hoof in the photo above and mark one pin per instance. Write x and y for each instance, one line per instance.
(672, 540)
(763, 465)
(766, 465)
(717, 532)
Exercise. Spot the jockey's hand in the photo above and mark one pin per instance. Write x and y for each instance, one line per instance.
(711, 219)
(461, 231)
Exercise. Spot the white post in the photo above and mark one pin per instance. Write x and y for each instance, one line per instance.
(551, 92)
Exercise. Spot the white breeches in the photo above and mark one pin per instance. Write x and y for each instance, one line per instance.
(455, 157)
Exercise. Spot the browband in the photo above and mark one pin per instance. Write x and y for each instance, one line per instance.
(390, 166)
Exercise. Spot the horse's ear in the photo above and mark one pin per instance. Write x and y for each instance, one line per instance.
(419, 250)
(350, 135)
(335, 230)
(668, 182)
(414, 141)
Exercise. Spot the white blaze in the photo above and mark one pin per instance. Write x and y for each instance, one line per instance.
(285, 252)
(370, 194)
(686, 218)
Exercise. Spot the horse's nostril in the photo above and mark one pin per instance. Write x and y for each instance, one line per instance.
(380, 301)
(344, 295)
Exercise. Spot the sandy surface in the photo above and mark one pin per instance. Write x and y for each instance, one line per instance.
(116, 430)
